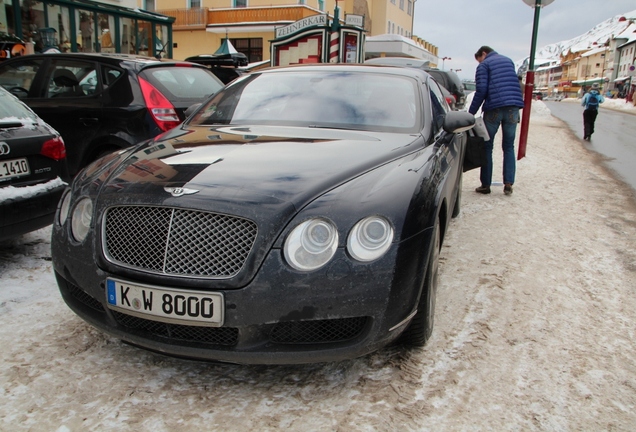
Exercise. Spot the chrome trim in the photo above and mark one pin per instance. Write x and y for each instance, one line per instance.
(404, 321)
(172, 255)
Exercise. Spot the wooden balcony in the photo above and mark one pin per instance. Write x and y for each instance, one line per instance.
(199, 18)
(187, 19)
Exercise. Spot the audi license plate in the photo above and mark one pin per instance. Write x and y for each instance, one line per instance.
(166, 304)
(14, 168)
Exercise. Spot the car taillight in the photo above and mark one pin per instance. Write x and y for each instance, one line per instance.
(162, 110)
(54, 149)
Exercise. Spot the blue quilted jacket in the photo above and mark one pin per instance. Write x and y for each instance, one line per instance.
(497, 84)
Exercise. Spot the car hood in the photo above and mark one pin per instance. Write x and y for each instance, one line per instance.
(263, 174)
(242, 165)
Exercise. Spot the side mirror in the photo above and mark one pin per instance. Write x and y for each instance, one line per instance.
(458, 121)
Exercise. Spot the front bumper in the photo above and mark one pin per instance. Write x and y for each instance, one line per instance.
(340, 312)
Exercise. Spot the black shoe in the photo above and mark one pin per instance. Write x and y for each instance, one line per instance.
(508, 189)
(483, 189)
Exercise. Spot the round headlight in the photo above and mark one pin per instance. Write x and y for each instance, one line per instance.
(311, 244)
(65, 206)
(370, 238)
(81, 219)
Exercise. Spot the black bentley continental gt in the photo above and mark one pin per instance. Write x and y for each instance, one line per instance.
(295, 217)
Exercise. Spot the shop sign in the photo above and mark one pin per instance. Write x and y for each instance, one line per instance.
(354, 20)
(312, 21)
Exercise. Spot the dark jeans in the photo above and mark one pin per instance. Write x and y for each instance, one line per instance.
(589, 117)
(508, 118)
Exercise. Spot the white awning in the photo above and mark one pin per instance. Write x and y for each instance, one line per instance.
(621, 78)
(589, 81)
(391, 45)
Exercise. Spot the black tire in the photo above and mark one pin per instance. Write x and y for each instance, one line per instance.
(458, 200)
(421, 326)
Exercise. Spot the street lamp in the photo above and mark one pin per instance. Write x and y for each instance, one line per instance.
(443, 59)
(527, 95)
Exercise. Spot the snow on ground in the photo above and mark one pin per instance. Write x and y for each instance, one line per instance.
(614, 104)
(534, 331)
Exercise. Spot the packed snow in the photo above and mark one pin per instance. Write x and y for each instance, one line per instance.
(534, 330)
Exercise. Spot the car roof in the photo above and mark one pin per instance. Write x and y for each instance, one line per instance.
(350, 67)
(399, 61)
(134, 61)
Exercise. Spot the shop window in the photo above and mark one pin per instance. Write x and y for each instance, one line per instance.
(8, 18)
(144, 38)
(58, 20)
(86, 36)
(161, 41)
(251, 47)
(106, 26)
(32, 16)
(128, 37)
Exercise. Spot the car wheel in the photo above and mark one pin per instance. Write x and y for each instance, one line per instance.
(421, 326)
(458, 200)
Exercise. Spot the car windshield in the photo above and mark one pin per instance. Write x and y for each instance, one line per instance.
(328, 99)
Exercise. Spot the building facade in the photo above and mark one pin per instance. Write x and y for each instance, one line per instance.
(85, 26)
(156, 28)
(251, 25)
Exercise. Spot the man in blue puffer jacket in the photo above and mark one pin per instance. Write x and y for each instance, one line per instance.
(497, 88)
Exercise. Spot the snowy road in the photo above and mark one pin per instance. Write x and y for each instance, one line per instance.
(535, 330)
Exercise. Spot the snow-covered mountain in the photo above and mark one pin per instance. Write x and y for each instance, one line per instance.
(600, 34)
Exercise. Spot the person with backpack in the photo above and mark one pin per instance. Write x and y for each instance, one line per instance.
(591, 101)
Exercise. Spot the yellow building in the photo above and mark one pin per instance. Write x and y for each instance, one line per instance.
(251, 25)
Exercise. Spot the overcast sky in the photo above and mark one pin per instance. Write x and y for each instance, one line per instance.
(459, 27)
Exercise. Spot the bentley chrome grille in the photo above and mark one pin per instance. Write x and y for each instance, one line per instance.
(177, 242)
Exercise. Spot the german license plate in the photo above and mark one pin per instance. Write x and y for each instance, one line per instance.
(14, 168)
(166, 304)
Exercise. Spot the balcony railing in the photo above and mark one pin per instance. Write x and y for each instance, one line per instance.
(188, 19)
(196, 18)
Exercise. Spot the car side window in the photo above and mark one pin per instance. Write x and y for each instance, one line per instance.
(19, 77)
(437, 104)
(110, 75)
(72, 79)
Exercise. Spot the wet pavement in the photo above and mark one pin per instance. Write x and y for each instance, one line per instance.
(613, 136)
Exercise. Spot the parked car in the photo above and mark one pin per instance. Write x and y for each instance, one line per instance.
(450, 99)
(33, 171)
(447, 79)
(104, 102)
(296, 217)
(226, 67)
